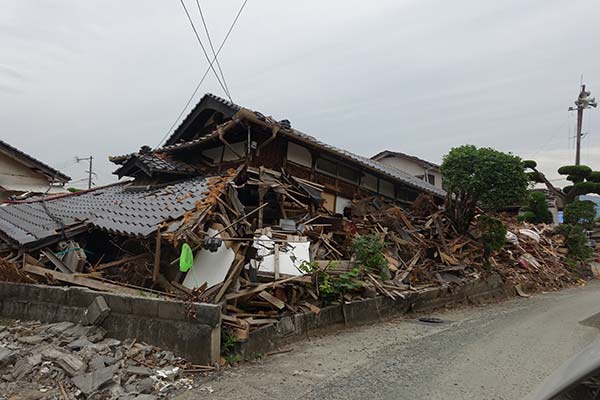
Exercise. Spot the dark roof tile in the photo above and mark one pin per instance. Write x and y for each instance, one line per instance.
(120, 208)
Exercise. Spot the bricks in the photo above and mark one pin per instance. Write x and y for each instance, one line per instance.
(96, 312)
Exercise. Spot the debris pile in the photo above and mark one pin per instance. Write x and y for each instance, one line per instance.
(68, 361)
(262, 243)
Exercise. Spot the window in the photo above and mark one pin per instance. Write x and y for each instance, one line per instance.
(299, 155)
(327, 166)
(369, 181)
(339, 170)
(431, 179)
(386, 188)
(348, 173)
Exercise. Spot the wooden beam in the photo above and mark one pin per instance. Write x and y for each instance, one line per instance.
(156, 270)
(272, 299)
(276, 260)
(77, 279)
(120, 262)
(260, 288)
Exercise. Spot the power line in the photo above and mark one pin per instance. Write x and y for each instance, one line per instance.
(212, 48)
(204, 75)
(203, 49)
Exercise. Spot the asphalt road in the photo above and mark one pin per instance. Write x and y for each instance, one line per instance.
(499, 351)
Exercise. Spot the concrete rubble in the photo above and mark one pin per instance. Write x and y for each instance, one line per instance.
(69, 361)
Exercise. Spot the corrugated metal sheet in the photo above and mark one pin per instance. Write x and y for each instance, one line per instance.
(122, 209)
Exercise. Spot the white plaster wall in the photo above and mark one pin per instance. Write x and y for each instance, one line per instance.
(15, 175)
(411, 167)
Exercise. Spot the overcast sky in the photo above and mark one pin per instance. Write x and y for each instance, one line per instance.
(102, 78)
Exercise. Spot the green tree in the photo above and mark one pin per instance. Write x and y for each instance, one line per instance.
(480, 177)
(536, 209)
(580, 212)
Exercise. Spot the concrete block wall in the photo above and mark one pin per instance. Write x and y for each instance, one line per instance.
(299, 326)
(162, 323)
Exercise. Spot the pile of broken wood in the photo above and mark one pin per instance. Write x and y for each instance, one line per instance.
(263, 241)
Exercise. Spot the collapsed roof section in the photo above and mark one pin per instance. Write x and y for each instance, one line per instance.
(213, 116)
(153, 164)
(124, 209)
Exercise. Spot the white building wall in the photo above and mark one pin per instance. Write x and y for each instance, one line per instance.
(411, 167)
(13, 173)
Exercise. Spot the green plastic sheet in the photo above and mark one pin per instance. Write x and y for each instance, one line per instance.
(186, 260)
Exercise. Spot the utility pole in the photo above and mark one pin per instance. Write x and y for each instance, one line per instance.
(90, 171)
(583, 101)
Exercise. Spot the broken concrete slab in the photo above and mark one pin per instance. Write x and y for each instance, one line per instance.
(77, 331)
(110, 342)
(97, 334)
(7, 356)
(96, 363)
(72, 364)
(96, 312)
(78, 344)
(94, 380)
(139, 371)
(145, 397)
(24, 366)
(34, 339)
(59, 327)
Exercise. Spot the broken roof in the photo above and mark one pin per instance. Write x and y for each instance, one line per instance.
(32, 162)
(211, 102)
(121, 208)
(151, 163)
(389, 153)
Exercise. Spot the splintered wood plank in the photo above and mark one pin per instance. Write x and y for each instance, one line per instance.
(79, 280)
(272, 299)
(156, 270)
(260, 288)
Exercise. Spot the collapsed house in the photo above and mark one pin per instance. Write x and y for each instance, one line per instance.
(245, 211)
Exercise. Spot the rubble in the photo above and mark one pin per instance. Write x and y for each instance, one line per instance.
(72, 363)
(278, 256)
(222, 215)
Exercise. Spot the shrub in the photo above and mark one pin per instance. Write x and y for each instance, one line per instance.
(594, 176)
(536, 209)
(493, 236)
(579, 170)
(368, 252)
(576, 241)
(580, 212)
(529, 164)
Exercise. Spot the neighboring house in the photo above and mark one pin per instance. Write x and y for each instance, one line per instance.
(217, 138)
(21, 174)
(412, 165)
